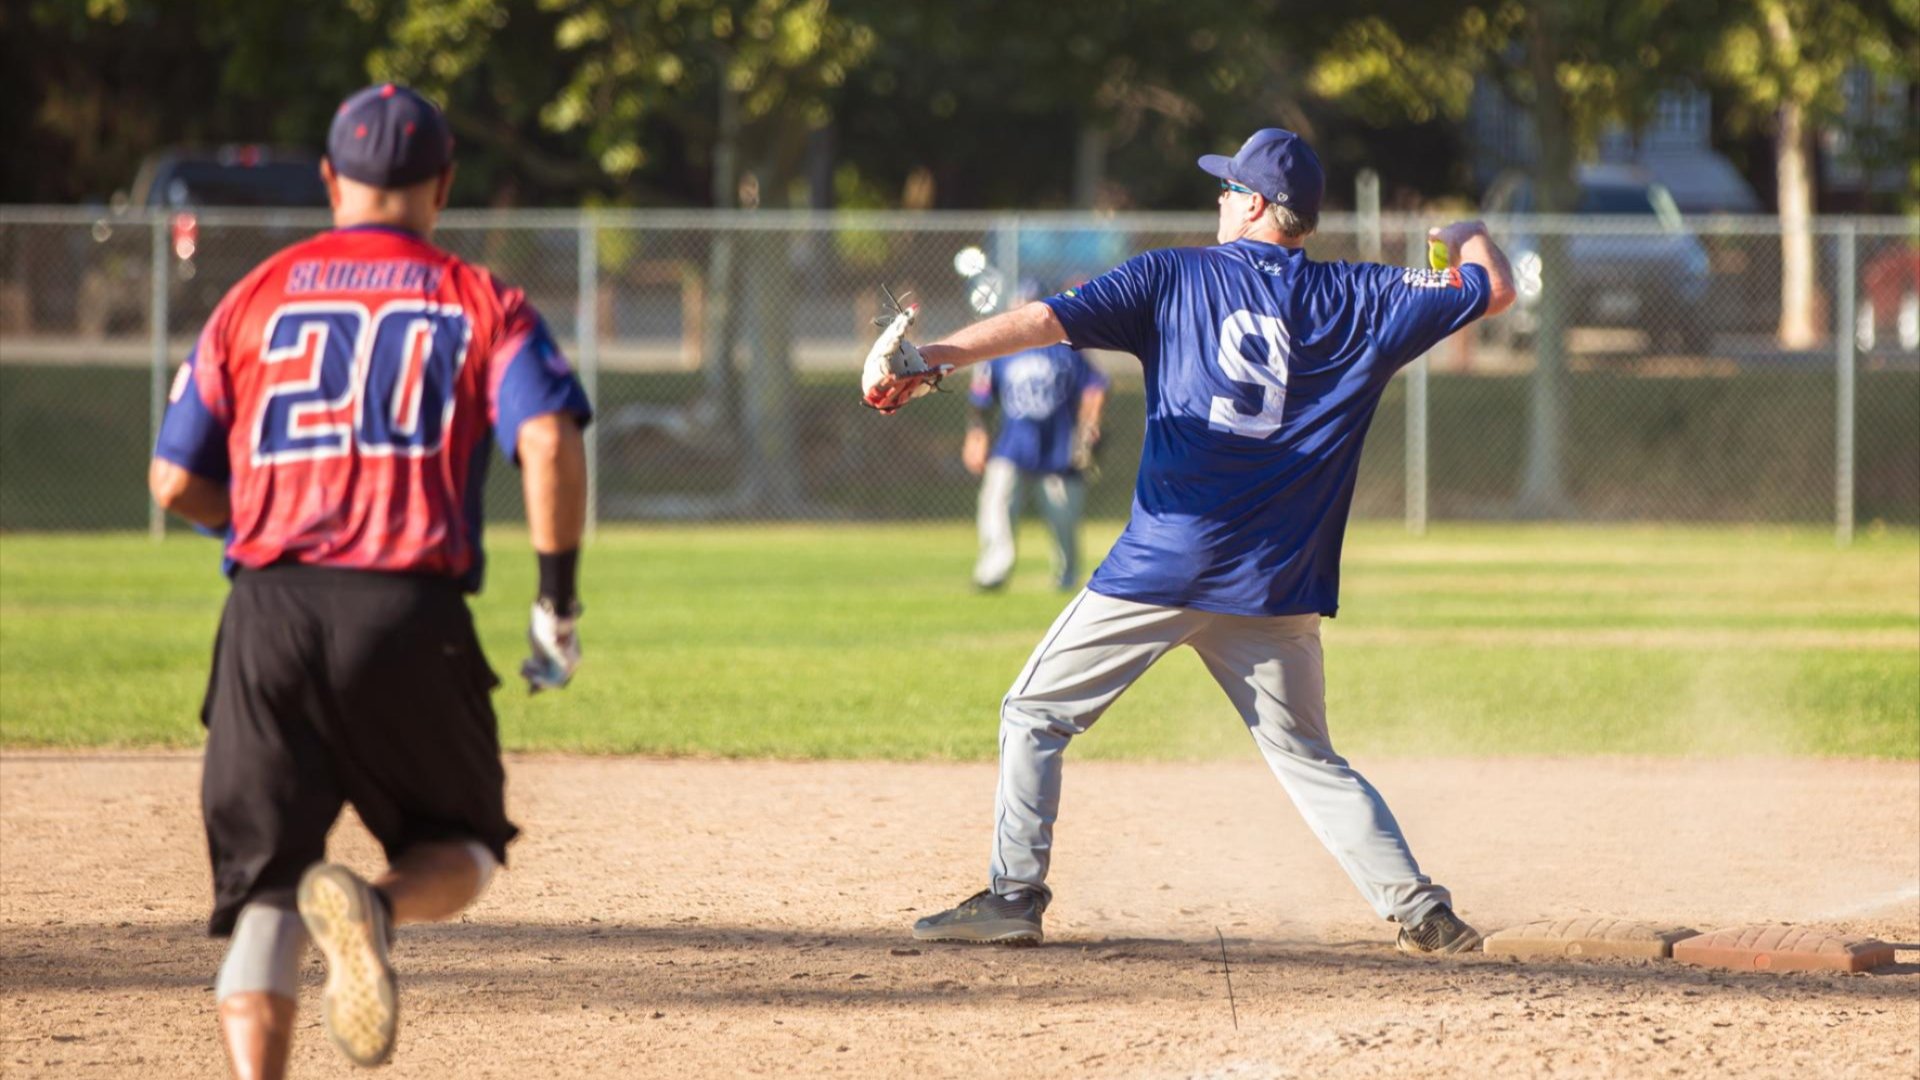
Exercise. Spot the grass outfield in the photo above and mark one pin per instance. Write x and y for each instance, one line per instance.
(796, 641)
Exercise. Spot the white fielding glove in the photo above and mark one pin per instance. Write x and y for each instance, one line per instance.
(555, 646)
(895, 373)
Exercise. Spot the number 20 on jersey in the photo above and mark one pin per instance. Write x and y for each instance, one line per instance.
(342, 377)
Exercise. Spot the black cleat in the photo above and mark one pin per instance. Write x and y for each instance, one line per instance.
(1440, 932)
(1012, 919)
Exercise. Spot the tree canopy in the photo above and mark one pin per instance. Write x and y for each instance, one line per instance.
(996, 102)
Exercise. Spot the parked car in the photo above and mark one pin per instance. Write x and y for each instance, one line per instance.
(1654, 280)
(202, 267)
(1890, 298)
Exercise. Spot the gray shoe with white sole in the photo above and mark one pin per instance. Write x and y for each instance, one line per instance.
(1012, 919)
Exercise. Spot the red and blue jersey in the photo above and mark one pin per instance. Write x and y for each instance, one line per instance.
(1263, 368)
(348, 392)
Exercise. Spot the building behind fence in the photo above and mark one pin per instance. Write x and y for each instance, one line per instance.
(1641, 378)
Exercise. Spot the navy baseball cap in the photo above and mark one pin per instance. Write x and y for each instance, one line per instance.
(1279, 165)
(390, 137)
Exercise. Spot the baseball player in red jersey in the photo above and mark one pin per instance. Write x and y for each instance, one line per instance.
(335, 420)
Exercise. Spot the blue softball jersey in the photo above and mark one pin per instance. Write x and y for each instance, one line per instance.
(1263, 368)
(1039, 394)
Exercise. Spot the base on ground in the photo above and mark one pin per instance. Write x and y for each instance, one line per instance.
(1782, 948)
(1588, 937)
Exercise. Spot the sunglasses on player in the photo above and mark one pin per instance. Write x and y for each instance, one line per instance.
(1228, 185)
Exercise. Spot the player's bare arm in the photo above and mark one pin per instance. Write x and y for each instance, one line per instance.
(1468, 243)
(1029, 326)
(553, 476)
(195, 498)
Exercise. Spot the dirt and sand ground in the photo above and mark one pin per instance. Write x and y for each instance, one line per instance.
(686, 918)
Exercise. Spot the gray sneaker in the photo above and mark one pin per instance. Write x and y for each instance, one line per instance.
(1013, 919)
(1440, 932)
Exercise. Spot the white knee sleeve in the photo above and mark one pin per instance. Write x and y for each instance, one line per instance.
(264, 953)
(485, 863)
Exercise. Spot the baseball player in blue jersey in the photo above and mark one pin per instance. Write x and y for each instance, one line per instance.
(1050, 401)
(1263, 368)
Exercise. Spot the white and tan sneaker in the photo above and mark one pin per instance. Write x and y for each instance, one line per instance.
(349, 924)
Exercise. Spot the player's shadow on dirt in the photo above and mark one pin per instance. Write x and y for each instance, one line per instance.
(690, 964)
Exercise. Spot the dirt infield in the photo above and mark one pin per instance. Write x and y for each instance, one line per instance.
(682, 918)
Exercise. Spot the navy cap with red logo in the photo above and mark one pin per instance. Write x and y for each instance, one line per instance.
(390, 137)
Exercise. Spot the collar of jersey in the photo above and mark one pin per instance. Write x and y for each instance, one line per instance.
(392, 229)
(1262, 245)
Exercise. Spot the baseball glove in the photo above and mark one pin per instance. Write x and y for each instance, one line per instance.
(895, 373)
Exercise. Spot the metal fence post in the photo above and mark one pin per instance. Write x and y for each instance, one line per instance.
(1416, 412)
(586, 331)
(157, 390)
(1366, 207)
(1007, 243)
(1843, 360)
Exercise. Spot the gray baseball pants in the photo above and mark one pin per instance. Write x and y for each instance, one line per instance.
(1003, 489)
(1270, 668)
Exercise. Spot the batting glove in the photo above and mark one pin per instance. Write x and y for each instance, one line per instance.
(555, 646)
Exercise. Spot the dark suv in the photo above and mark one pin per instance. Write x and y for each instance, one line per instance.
(204, 263)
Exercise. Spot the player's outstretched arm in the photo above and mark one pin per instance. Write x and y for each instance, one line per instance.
(896, 371)
(195, 498)
(1468, 242)
(1029, 326)
(553, 476)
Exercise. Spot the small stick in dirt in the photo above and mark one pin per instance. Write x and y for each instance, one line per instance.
(1228, 972)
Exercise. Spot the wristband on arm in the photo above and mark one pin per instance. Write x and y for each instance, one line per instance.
(559, 576)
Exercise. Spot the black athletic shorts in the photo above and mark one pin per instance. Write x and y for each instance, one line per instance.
(343, 686)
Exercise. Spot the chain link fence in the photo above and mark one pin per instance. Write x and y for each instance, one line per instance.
(1647, 373)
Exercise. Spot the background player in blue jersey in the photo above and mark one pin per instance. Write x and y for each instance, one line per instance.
(1049, 402)
(1263, 368)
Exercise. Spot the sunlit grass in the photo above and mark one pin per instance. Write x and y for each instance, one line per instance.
(867, 641)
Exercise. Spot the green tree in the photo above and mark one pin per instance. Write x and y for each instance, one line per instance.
(1016, 103)
(745, 85)
(92, 86)
(1573, 65)
(1784, 60)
